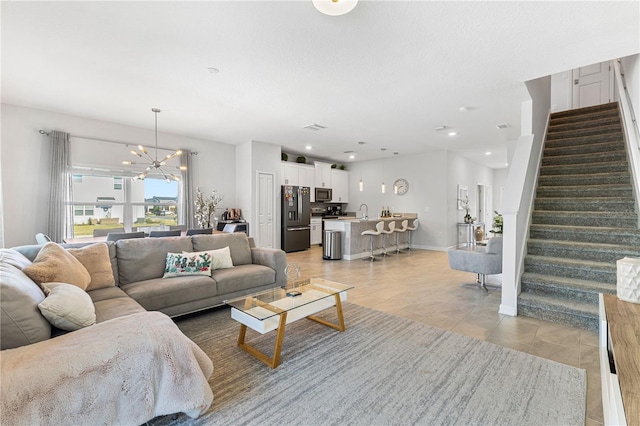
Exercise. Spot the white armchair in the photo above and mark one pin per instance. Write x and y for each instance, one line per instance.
(481, 260)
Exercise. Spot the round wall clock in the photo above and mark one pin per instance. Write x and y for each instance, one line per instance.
(401, 186)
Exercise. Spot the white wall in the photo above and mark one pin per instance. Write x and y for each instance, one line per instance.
(25, 156)
(254, 157)
(561, 91)
(433, 177)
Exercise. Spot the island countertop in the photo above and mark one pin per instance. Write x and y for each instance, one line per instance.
(355, 245)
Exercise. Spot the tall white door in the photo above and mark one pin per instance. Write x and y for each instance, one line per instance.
(265, 234)
(592, 85)
(481, 203)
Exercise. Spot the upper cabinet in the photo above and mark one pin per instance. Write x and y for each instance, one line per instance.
(289, 173)
(340, 186)
(306, 175)
(323, 174)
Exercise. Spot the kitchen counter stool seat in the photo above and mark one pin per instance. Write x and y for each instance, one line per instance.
(373, 233)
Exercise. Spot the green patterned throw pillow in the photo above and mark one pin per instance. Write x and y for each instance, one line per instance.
(180, 264)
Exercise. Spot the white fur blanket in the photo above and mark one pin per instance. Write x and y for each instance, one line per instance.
(124, 371)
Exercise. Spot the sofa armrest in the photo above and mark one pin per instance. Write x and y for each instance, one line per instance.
(275, 259)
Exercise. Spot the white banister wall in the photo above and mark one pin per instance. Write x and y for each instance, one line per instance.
(520, 190)
(624, 90)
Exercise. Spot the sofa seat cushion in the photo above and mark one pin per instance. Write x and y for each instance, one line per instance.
(21, 322)
(141, 259)
(159, 293)
(237, 242)
(242, 277)
(113, 302)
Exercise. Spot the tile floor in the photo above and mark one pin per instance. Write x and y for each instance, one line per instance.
(420, 285)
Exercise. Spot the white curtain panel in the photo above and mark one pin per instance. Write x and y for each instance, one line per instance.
(187, 208)
(60, 221)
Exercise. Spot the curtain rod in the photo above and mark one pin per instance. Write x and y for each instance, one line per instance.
(44, 132)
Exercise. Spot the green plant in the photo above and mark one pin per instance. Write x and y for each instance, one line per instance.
(342, 167)
(497, 223)
(334, 165)
(284, 156)
(301, 160)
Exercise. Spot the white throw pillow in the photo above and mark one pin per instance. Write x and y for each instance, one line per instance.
(67, 306)
(220, 258)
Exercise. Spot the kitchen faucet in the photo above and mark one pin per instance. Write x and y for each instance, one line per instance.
(366, 212)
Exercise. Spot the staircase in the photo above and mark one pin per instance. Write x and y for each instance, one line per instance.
(584, 218)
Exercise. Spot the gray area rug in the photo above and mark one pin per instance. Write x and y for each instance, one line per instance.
(383, 370)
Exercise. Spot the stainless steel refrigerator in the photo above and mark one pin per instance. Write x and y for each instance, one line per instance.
(296, 218)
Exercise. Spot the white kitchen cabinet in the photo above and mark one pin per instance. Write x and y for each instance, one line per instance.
(289, 173)
(323, 175)
(340, 186)
(316, 231)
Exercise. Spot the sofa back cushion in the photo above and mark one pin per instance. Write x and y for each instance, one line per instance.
(237, 242)
(142, 259)
(21, 322)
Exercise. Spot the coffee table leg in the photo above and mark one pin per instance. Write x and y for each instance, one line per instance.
(340, 325)
(274, 361)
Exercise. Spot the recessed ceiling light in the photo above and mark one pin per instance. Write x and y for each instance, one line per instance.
(213, 70)
(464, 109)
(506, 164)
(335, 7)
(452, 133)
(308, 147)
(352, 156)
(487, 153)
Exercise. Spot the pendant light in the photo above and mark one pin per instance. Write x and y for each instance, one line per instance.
(361, 185)
(382, 187)
(335, 7)
(155, 166)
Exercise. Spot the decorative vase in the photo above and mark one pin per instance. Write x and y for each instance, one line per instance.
(479, 233)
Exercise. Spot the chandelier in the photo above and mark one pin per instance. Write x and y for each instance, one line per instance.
(155, 166)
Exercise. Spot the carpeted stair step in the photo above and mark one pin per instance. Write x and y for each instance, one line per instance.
(553, 134)
(599, 219)
(585, 179)
(572, 141)
(599, 252)
(585, 148)
(567, 288)
(612, 204)
(575, 191)
(578, 112)
(580, 125)
(585, 116)
(585, 159)
(560, 311)
(571, 268)
(586, 234)
(576, 169)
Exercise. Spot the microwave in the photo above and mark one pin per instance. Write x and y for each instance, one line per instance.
(323, 195)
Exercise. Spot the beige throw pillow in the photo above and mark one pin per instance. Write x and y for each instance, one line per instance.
(220, 258)
(55, 264)
(95, 258)
(67, 306)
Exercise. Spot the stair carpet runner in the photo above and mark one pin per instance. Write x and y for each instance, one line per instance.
(584, 218)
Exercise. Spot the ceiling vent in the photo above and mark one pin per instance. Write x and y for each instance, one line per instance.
(503, 126)
(314, 126)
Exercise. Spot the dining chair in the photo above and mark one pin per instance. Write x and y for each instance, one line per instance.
(157, 234)
(182, 228)
(115, 236)
(198, 231)
(42, 238)
(104, 232)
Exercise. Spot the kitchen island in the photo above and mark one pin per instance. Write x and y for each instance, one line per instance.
(355, 245)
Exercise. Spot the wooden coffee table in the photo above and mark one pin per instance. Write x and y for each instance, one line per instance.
(273, 309)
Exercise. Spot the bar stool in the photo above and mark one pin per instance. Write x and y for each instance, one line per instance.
(405, 223)
(371, 233)
(416, 224)
(385, 232)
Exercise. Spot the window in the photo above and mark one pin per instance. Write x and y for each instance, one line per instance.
(103, 199)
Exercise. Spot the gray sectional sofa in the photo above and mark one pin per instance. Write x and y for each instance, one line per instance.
(123, 326)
